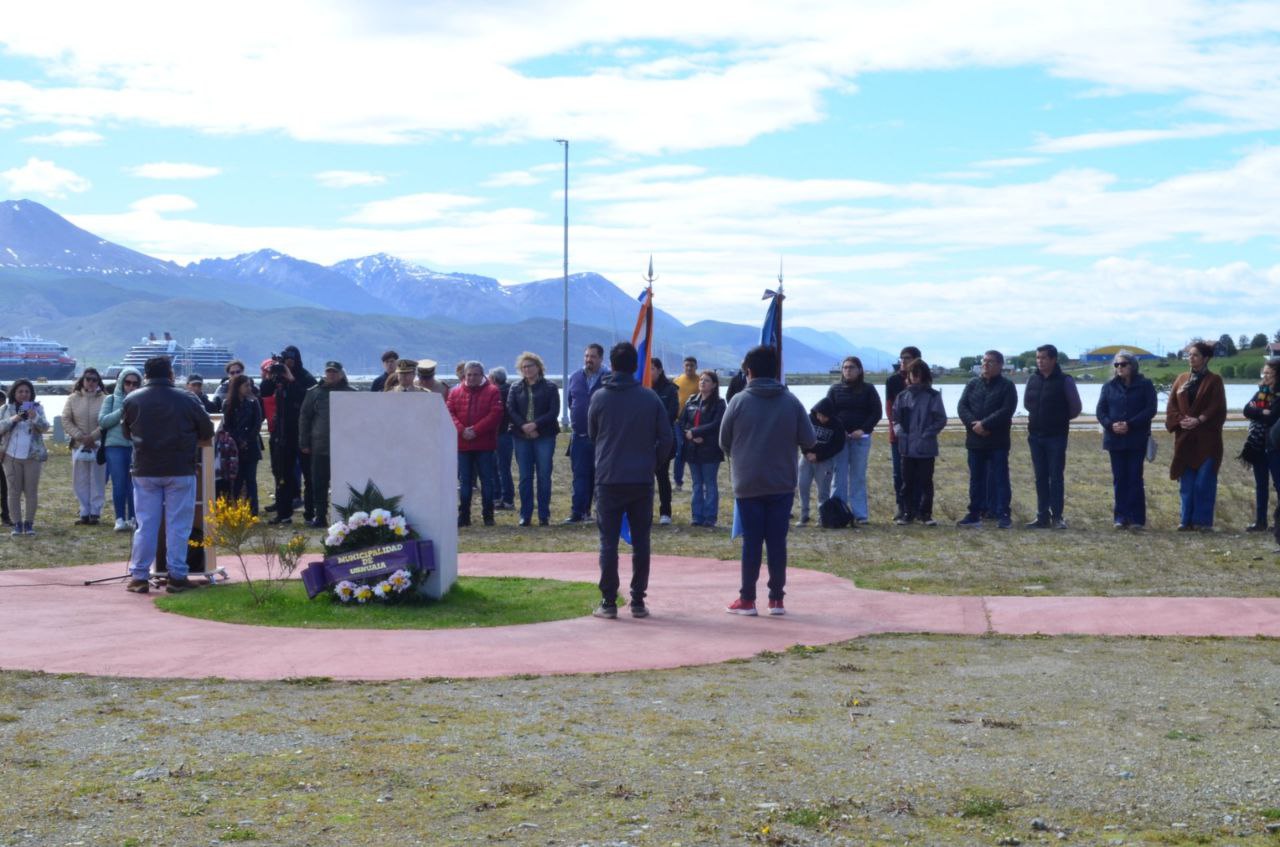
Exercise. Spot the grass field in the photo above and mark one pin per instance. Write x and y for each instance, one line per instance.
(1089, 558)
(892, 739)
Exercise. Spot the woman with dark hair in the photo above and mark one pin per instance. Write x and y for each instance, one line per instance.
(700, 429)
(119, 448)
(858, 407)
(1126, 407)
(80, 421)
(1195, 414)
(533, 406)
(22, 429)
(918, 418)
(242, 419)
(1262, 412)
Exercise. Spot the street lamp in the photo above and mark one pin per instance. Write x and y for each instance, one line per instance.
(564, 405)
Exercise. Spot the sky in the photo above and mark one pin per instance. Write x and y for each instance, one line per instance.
(957, 176)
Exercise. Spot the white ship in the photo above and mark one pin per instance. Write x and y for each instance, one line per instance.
(204, 356)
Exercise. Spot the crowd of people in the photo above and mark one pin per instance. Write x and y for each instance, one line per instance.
(777, 449)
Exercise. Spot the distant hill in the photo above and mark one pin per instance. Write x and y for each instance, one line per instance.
(99, 298)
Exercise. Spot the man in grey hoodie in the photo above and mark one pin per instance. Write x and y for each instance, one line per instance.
(630, 430)
(761, 430)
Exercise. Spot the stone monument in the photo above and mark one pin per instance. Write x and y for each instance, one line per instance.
(406, 443)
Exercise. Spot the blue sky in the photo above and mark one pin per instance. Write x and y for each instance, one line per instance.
(955, 176)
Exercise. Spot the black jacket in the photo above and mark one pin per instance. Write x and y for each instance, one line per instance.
(504, 425)
(245, 427)
(165, 425)
(289, 397)
(830, 438)
(857, 407)
(1052, 402)
(1135, 404)
(992, 403)
(629, 427)
(708, 429)
(546, 407)
(670, 397)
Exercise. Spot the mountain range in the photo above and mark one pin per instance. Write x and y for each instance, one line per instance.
(99, 298)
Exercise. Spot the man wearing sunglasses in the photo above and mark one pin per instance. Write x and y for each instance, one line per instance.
(234, 368)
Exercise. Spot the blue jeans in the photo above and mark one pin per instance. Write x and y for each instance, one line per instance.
(506, 490)
(989, 490)
(175, 497)
(118, 460)
(612, 502)
(582, 458)
(1049, 461)
(534, 455)
(1130, 492)
(764, 525)
(1199, 489)
(809, 473)
(851, 475)
(705, 502)
(471, 464)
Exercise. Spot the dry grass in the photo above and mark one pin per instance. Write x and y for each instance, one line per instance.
(1089, 559)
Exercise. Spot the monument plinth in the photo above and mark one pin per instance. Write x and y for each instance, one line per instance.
(405, 442)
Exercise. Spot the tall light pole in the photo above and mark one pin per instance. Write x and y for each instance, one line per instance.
(564, 403)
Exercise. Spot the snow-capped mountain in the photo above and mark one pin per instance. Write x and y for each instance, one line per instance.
(35, 237)
(279, 272)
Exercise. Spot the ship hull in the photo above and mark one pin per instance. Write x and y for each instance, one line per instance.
(12, 371)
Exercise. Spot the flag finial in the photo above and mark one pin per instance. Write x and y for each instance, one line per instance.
(650, 277)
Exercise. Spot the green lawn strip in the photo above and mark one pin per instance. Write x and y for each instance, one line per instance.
(473, 601)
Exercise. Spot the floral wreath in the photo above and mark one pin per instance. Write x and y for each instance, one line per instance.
(370, 519)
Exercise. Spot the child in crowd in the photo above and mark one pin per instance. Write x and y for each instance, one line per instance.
(819, 463)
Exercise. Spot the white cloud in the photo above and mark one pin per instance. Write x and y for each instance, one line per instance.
(1012, 162)
(349, 179)
(669, 76)
(160, 203)
(67, 138)
(39, 176)
(511, 179)
(174, 170)
(410, 209)
(1130, 137)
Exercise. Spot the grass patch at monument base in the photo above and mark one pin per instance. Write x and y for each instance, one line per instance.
(473, 601)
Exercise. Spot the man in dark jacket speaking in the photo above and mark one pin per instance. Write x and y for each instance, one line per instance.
(630, 429)
(165, 425)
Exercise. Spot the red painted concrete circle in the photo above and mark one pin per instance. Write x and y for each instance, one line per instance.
(53, 622)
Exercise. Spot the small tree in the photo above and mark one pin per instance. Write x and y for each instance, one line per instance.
(967, 362)
(1226, 345)
(1259, 340)
(1227, 371)
(1243, 343)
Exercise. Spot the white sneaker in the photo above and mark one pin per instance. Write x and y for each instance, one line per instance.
(132, 524)
(665, 520)
(120, 525)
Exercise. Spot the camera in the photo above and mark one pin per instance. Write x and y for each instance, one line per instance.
(276, 368)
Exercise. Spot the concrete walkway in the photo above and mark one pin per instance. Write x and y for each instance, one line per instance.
(50, 621)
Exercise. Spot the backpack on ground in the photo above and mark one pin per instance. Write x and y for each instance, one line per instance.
(834, 514)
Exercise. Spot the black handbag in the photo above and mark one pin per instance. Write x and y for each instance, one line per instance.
(102, 454)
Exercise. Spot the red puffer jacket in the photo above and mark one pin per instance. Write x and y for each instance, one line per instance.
(478, 408)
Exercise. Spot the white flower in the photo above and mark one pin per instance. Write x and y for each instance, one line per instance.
(379, 517)
(400, 581)
(345, 590)
(332, 540)
(338, 530)
(363, 593)
(357, 519)
(399, 526)
(382, 589)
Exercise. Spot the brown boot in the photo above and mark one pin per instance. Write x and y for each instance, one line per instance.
(138, 586)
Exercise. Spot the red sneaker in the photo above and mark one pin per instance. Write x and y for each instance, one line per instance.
(775, 608)
(742, 607)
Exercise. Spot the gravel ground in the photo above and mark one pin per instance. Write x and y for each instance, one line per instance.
(911, 740)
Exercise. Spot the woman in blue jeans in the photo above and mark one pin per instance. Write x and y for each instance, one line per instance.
(533, 407)
(700, 432)
(858, 408)
(119, 449)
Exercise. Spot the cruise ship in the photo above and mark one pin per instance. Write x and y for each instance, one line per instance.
(32, 357)
(205, 356)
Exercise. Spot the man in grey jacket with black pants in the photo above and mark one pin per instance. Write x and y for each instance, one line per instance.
(629, 428)
(761, 430)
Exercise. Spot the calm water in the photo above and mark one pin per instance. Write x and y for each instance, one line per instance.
(1237, 396)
